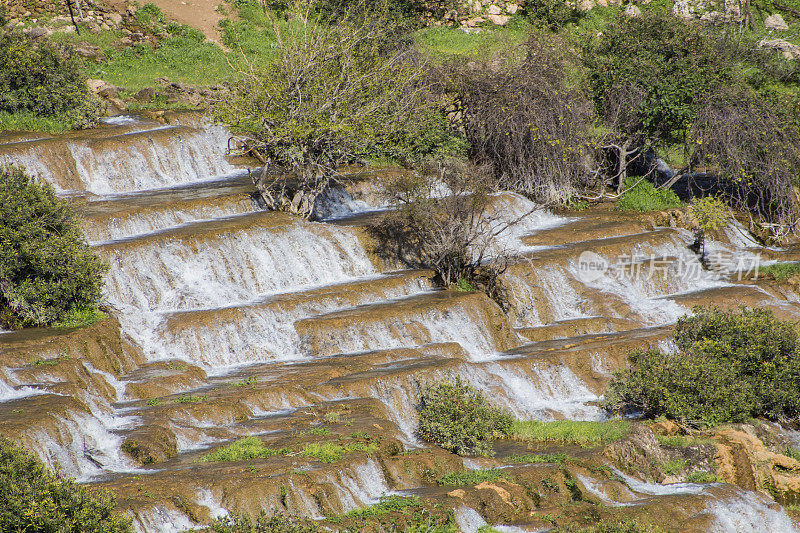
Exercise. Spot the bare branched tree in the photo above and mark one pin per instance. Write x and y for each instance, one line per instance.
(523, 119)
(752, 150)
(442, 219)
(332, 93)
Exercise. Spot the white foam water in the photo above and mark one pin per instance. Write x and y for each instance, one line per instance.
(539, 392)
(455, 324)
(360, 485)
(207, 499)
(748, 512)
(262, 331)
(468, 519)
(82, 447)
(162, 520)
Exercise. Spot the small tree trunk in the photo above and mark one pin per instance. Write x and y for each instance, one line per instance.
(622, 170)
(72, 16)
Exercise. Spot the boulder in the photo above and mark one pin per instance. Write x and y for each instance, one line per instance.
(494, 10)
(499, 20)
(632, 11)
(788, 50)
(775, 22)
(90, 51)
(145, 95)
(115, 18)
(95, 85)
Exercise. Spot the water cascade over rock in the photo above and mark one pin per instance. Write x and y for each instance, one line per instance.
(228, 321)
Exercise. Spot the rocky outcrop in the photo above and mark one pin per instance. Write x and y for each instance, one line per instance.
(745, 458)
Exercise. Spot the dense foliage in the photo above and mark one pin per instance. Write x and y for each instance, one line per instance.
(728, 366)
(459, 418)
(47, 270)
(37, 500)
(648, 75)
(640, 194)
(42, 79)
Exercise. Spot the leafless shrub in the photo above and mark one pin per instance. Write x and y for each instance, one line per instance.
(752, 149)
(523, 119)
(441, 220)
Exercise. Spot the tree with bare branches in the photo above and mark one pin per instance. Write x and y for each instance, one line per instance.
(333, 94)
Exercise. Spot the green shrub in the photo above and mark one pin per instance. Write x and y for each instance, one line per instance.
(552, 13)
(729, 366)
(45, 80)
(571, 432)
(456, 416)
(242, 449)
(649, 74)
(278, 522)
(641, 195)
(47, 271)
(35, 499)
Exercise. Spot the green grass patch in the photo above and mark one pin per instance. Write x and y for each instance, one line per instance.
(702, 477)
(318, 431)
(557, 458)
(31, 122)
(442, 42)
(673, 467)
(330, 452)
(682, 441)
(472, 477)
(251, 382)
(51, 362)
(242, 449)
(780, 271)
(641, 195)
(571, 432)
(81, 318)
(386, 505)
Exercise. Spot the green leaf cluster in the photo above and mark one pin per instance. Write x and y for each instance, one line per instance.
(666, 68)
(641, 195)
(34, 499)
(47, 271)
(457, 416)
(41, 78)
(729, 366)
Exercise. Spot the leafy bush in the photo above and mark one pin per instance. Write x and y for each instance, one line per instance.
(641, 195)
(649, 75)
(40, 78)
(552, 13)
(701, 476)
(571, 432)
(37, 500)
(729, 366)
(47, 271)
(456, 416)
(333, 94)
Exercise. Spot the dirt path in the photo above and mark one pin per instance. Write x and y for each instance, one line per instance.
(200, 14)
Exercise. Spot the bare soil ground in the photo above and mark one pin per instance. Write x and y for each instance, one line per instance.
(200, 14)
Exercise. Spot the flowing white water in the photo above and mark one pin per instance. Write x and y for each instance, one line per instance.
(261, 331)
(156, 158)
(144, 222)
(80, 446)
(458, 323)
(749, 512)
(360, 485)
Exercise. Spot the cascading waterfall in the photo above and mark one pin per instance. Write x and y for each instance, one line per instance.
(212, 282)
